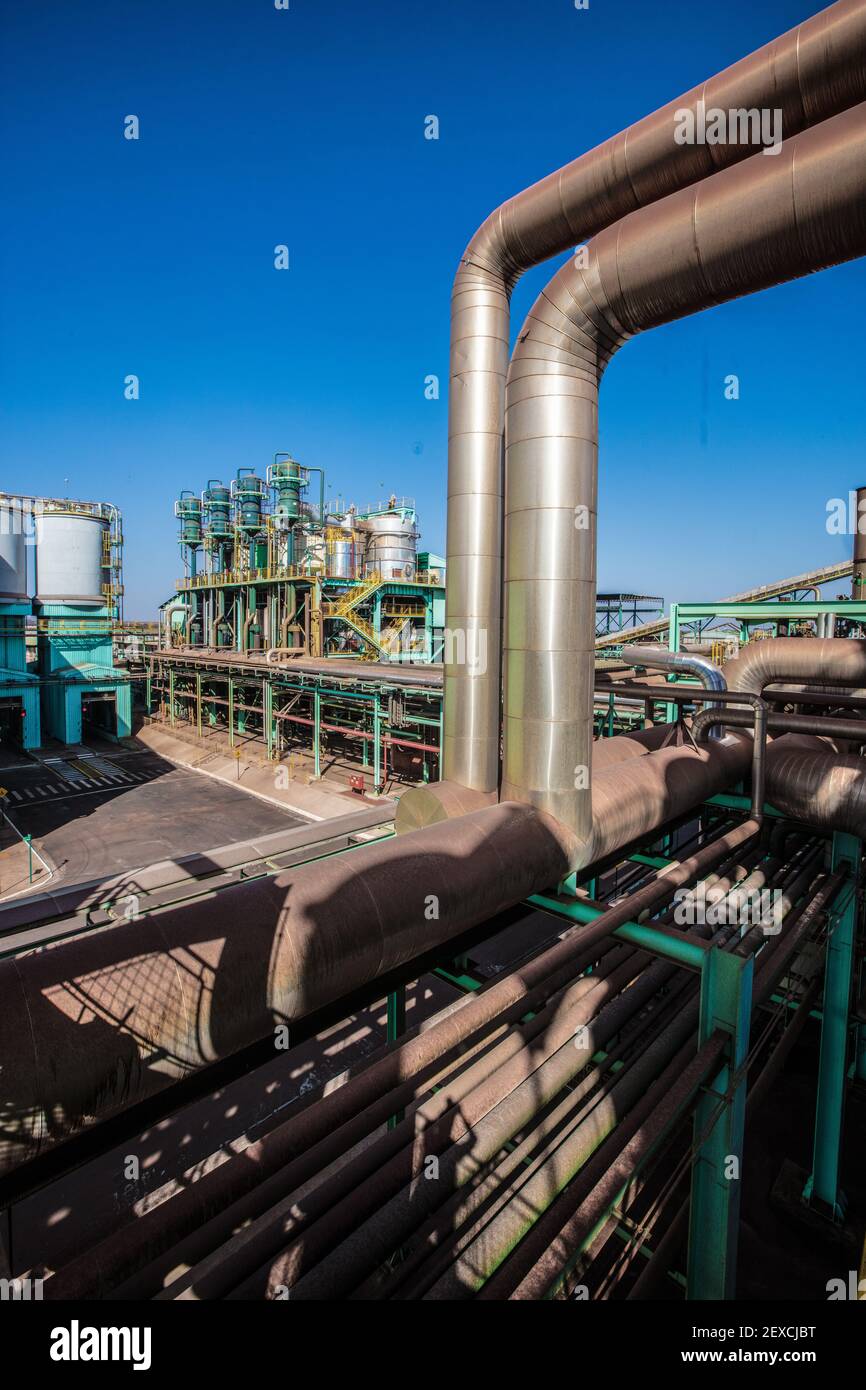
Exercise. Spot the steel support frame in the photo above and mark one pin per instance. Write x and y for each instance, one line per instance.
(760, 611)
(822, 1190)
(726, 1005)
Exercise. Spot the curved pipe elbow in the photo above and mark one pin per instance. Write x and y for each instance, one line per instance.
(708, 673)
(711, 676)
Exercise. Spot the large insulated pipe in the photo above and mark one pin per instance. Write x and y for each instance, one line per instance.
(839, 661)
(820, 788)
(749, 227)
(808, 74)
(94, 1024)
(632, 799)
(506, 999)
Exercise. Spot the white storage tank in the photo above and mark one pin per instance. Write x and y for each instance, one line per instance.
(69, 557)
(392, 539)
(13, 551)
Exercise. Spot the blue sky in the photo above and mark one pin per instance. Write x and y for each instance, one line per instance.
(306, 127)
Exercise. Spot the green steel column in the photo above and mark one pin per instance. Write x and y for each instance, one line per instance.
(149, 694)
(396, 1027)
(171, 696)
(822, 1189)
(231, 713)
(377, 751)
(671, 710)
(726, 1003)
(198, 701)
(377, 614)
(317, 725)
(674, 627)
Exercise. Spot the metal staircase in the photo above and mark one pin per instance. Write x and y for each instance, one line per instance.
(345, 609)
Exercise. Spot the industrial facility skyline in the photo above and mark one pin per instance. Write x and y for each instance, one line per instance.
(155, 258)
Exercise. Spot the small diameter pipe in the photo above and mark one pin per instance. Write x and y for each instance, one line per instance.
(724, 698)
(328, 1263)
(673, 1237)
(431, 1250)
(820, 724)
(549, 1245)
(518, 993)
(385, 1211)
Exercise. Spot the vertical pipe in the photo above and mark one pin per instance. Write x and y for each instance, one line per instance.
(807, 74)
(317, 731)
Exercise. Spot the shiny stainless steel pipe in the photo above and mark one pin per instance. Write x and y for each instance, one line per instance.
(808, 74)
(749, 227)
(660, 659)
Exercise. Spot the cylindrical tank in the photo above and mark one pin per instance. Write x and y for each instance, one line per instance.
(70, 556)
(249, 492)
(13, 551)
(259, 555)
(285, 477)
(218, 502)
(341, 558)
(342, 548)
(392, 539)
(188, 509)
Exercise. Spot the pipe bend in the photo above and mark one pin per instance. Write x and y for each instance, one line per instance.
(839, 661)
(809, 74)
(709, 674)
(576, 324)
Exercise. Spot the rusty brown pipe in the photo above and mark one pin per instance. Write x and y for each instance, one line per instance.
(823, 661)
(820, 788)
(516, 994)
(94, 1024)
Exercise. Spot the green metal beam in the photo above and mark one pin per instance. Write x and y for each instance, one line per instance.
(773, 612)
(822, 1190)
(671, 945)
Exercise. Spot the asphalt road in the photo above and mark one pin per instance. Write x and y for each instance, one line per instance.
(98, 815)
